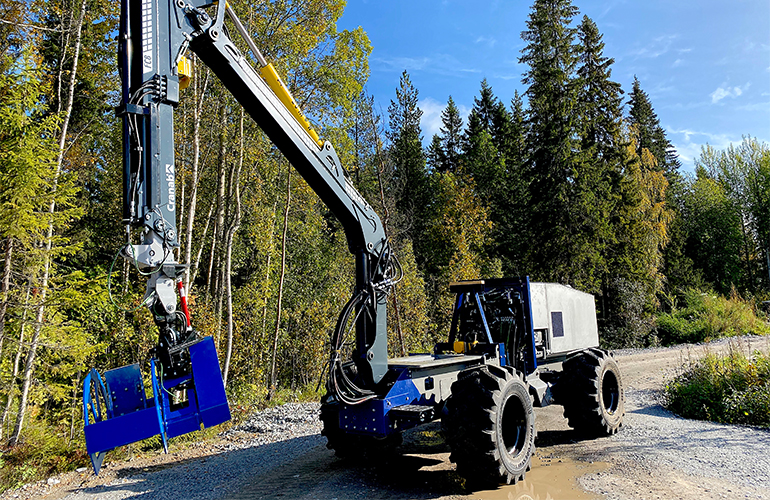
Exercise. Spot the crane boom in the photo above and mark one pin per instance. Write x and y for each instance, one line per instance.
(154, 39)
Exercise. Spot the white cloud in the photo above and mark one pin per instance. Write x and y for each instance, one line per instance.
(719, 94)
(442, 64)
(487, 40)
(657, 47)
(688, 144)
(430, 123)
(727, 91)
(407, 63)
(431, 116)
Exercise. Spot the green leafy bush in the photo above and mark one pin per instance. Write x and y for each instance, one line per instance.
(707, 316)
(44, 451)
(734, 389)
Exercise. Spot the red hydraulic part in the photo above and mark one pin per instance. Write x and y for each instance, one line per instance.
(183, 300)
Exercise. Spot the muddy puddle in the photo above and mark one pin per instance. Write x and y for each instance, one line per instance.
(551, 478)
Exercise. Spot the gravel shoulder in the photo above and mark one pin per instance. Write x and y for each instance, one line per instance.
(280, 453)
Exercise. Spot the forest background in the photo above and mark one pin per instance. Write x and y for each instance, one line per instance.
(573, 182)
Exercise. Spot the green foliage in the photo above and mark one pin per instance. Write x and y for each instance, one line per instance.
(412, 183)
(27, 152)
(652, 136)
(705, 316)
(44, 451)
(743, 174)
(734, 389)
(714, 228)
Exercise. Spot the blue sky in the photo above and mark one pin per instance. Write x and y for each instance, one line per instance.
(704, 63)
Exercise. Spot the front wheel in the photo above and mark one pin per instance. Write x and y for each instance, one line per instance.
(490, 425)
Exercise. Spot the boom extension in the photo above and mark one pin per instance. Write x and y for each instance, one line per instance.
(186, 381)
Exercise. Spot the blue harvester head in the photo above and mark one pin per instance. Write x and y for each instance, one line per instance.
(116, 410)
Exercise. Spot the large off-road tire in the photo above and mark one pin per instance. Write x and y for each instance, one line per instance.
(489, 425)
(347, 445)
(591, 390)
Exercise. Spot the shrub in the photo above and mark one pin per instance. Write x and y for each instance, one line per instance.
(707, 316)
(43, 452)
(734, 389)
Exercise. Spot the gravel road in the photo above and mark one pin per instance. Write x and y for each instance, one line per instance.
(279, 453)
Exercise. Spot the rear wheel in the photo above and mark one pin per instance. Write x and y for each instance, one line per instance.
(591, 390)
(490, 425)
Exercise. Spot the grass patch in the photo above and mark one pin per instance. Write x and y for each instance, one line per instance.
(706, 316)
(42, 452)
(731, 389)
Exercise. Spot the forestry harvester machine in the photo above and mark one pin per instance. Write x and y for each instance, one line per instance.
(483, 383)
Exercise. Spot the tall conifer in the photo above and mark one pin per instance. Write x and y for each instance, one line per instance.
(651, 135)
(551, 55)
(408, 159)
(451, 135)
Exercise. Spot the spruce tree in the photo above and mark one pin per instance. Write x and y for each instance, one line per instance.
(408, 160)
(517, 155)
(436, 157)
(596, 189)
(551, 56)
(483, 163)
(651, 135)
(510, 136)
(600, 98)
(481, 117)
(451, 135)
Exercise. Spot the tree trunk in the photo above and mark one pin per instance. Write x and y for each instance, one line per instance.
(215, 267)
(386, 229)
(229, 259)
(747, 254)
(767, 260)
(272, 381)
(75, 406)
(30, 363)
(268, 263)
(197, 111)
(16, 362)
(4, 289)
(197, 263)
(257, 360)
(220, 203)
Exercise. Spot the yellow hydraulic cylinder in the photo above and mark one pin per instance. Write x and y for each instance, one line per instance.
(274, 81)
(184, 70)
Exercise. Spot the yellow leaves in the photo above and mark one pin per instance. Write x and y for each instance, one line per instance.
(652, 216)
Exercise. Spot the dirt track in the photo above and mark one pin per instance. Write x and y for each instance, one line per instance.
(656, 455)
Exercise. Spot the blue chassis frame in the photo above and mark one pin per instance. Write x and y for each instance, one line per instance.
(371, 417)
